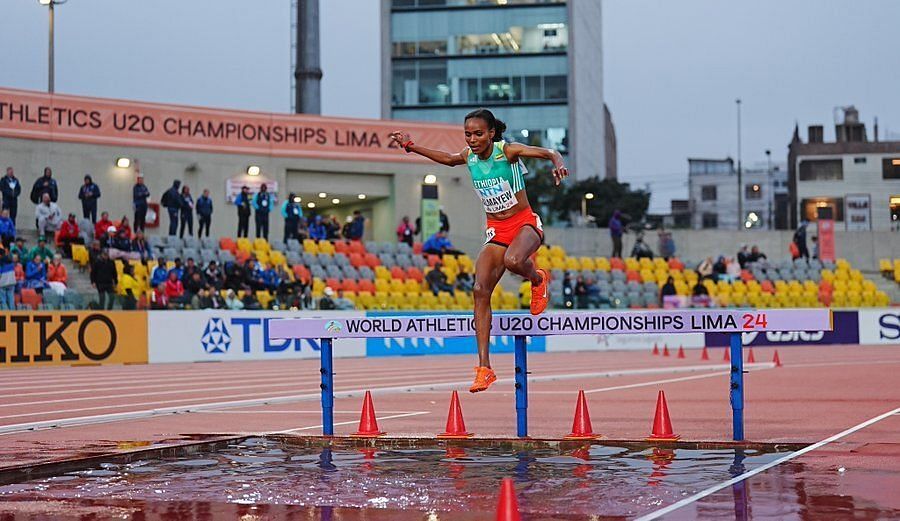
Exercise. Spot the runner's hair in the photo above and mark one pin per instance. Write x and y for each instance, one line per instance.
(493, 123)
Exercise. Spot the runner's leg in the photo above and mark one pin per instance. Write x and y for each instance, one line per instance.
(489, 269)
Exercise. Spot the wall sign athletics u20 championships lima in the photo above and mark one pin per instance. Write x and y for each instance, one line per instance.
(597, 323)
(71, 338)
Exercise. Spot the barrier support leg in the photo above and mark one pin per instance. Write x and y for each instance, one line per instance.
(737, 386)
(521, 387)
(327, 385)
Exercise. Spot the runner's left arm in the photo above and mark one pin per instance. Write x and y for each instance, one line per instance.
(514, 151)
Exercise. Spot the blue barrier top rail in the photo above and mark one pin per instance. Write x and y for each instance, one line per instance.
(559, 323)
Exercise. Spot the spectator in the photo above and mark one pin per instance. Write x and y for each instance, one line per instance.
(464, 281)
(171, 200)
(213, 275)
(190, 268)
(19, 270)
(743, 256)
(732, 270)
(568, 291)
(815, 241)
(94, 252)
(89, 193)
(292, 213)
(439, 244)
(159, 274)
(700, 296)
(215, 299)
(317, 229)
(48, 216)
(342, 303)
(102, 226)
(204, 213)
(437, 280)
(756, 255)
(234, 275)
(232, 302)
(800, 241)
(705, 269)
(327, 300)
(263, 202)
(203, 299)
(41, 249)
(158, 299)
(174, 289)
(7, 278)
(445, 221)
(345, 230)
(178, 269)
(615, 232)
(194, 283)
(640, 249)
(187, 211)
(36, 273)
(244, 205)
(140, 247)
(56, 271)
(129, 288)
(668, 290)
(68, 235)
(44, 185)
(581, 293)
(10, 188)
(104, 278)
(405, 231)
(124, 227)
(19, 248)
(332, 228)
(250, 301)
(139, 196)
(357, 226)
(720, 268)
(7, 228)
(666, 243)
(270, 278)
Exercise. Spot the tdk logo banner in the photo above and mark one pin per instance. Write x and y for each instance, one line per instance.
(203, 336)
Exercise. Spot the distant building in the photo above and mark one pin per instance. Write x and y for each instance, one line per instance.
(852, 180)
(537, 64)
(713, 195)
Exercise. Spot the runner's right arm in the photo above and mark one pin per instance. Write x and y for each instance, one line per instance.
(438, 156)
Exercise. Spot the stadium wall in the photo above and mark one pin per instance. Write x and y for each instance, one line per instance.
(137, 337)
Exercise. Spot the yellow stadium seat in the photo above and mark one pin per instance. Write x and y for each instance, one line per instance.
(412, 286)
(244, 244)
(885, 266)
(397, 285)
(80, 255)
(602, 263)
(842, 264)
(382, 273)
(645, 263)
(587, 263)
(382, 285)
(466, 263)
(544, 263)
(572, 263)
(543, 251)
(632, 264)
(260, 244)
(264, 297)
(557, 252)
(557, 263)
(326, 247)
(310, 246)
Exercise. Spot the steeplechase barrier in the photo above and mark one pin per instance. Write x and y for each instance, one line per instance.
(521, 326)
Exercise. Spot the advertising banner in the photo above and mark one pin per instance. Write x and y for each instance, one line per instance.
(214, 335)
(879, 326)
(622, 342)
(846, 331)
(38, 115)
(826, 239)
(858, 212)
(43, 338)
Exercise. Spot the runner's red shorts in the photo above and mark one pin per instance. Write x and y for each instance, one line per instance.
(502, 232)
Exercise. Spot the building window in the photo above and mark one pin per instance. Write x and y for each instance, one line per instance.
(859, 160)
(708, 193)
(816, 208)
(752, 191)
(895, 212)
(890, 168)
(822, 170)
(710, 220)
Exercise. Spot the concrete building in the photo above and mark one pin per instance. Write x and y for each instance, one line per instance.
(713, 195)
(853, 180)
(335, 165)
(537, 64)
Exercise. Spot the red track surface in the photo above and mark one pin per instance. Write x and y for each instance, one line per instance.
(820, 391)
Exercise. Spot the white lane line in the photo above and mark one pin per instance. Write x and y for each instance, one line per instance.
(827, 364)
(377, 418)
(737, 479)
(291, 412)
(756, 367)
(271, 400)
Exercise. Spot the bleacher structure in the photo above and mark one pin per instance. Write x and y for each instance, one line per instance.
(389, 276)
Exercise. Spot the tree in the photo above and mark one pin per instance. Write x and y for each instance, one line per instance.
(609, 195)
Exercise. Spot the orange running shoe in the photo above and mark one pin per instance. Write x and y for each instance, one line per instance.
(540, 294)
(484, 377)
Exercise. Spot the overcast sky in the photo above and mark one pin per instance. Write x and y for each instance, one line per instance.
(672, 68)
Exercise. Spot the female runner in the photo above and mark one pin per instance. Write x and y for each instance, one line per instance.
(513, 232)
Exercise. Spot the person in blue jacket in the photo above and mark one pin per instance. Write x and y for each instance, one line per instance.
(317, 230)
(89, 193)
(439, 244)
(10, 189)
(263, 202)
(292, 213)
(204, 208)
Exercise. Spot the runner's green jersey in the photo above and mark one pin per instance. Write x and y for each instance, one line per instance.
(496, 180)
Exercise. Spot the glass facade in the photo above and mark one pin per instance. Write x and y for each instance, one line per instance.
(507, 56)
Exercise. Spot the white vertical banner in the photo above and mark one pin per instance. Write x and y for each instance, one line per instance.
(216, 335)
(858, 212)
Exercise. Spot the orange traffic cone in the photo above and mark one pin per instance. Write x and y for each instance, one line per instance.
(727, 357)
(508, 507)
(680, 351)
(368, 425)
(581, 426)
(704, 355)
(662, 424)
(456, 427)
(750, 358)
(665, 349)
(776, 360)
(655, 349)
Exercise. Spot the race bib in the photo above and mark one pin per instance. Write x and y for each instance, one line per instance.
(489, 234)
(496, 194)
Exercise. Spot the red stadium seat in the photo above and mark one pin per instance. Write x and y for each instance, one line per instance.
(398, 273)
(366, 285)
(371, 260)
(676, 264)
(617, 264)
(333, 283)
(357, 247)
(746, 276)
(767, 286)
(341, 247)
(432, 260)
(633, 275)
(349, 285)
(31, 298)
(414, 273)
(417, 248)
(357, 260)
(226, 243)
(301, 272)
